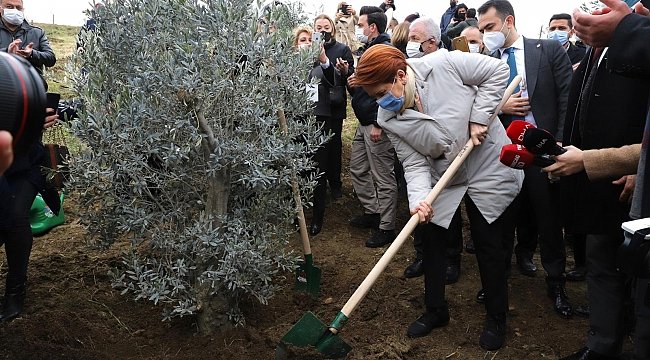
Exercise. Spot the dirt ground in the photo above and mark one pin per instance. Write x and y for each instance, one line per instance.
(72, 312)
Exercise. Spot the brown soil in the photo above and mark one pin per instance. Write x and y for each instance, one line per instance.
(72, 312)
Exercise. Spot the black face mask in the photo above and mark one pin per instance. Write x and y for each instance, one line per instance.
(327, 36)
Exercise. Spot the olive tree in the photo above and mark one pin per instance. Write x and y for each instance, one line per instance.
(183, 156)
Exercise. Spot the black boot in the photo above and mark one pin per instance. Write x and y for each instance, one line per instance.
(13, 304)
(433, 318)
(494, 332)
(561, 304)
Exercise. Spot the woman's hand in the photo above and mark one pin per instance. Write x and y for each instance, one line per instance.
(342, 66)
(477, 132)
(322, 57)
(424, 211)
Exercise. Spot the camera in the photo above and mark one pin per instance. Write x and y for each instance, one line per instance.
(344, 9)
(633, 255)
(22, 109)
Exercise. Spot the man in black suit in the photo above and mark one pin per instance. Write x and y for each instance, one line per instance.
(542, 101)
(560, 28)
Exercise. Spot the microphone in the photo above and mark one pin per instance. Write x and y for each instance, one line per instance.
(516, 131)
(540, 141)
(517, 157)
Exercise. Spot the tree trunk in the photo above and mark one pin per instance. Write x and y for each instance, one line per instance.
(213, 308)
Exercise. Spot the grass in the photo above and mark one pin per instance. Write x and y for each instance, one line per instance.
(63, 40)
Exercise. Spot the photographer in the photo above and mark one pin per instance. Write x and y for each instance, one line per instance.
(18, 188)
(19, 38)
(346, 23)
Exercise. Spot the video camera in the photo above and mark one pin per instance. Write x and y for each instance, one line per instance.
(22, 101)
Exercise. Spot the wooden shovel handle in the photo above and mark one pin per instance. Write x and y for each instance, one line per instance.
(296, 193)
(381, 265)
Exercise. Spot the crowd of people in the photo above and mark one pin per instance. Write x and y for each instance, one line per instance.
(421, 89)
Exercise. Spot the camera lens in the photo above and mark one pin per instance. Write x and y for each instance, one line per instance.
(22, 109)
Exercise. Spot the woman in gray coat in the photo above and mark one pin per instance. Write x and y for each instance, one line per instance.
(430, 107)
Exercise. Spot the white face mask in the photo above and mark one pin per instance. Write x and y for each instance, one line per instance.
(494, 40)
(304, 46)
(474, 48)
(360, 36)
(13, 16)
(414, 49)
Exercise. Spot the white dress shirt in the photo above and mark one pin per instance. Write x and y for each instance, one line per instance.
(518, 45)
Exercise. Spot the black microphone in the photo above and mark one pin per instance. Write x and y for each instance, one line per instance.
(540, 141)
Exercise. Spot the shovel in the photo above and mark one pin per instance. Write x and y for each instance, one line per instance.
(310, 331)
(307, 275)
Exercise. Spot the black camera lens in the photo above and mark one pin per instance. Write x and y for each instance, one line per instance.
(22, 105)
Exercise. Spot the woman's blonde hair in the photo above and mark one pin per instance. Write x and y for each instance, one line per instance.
(299, 30)
(379, 65)
(400, 36)
(324, 16)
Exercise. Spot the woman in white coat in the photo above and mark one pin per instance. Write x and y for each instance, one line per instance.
(430, 107)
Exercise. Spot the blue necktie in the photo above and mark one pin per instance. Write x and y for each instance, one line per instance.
(512, 63)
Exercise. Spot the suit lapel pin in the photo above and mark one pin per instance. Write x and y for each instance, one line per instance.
(538, 45)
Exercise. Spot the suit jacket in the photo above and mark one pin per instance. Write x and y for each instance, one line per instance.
(615, 116)
(548, 78)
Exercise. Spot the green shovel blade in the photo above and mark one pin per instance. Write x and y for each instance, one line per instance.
(310, 331)
(308, 277)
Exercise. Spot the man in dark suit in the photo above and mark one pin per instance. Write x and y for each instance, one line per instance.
(542, 101)
(560, 28)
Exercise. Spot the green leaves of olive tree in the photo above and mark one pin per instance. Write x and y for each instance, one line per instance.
(183, 153)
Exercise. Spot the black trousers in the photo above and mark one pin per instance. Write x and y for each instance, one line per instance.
(492, 245)
(454, 240)
(15, 229)
(335, 153)
(324, 157)
(539, 217)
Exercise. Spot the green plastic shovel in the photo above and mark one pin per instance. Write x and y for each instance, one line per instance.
(310, 331)
(307, 275)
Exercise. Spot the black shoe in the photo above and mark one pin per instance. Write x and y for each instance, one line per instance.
(366, 221)
(480, 296)
(469, 247)
(494, 332)
(588, 354)
(381, 238)
(526, 266)
(336, 193)
(13, 304)
(428, 321)
(452, 274)
(561, 303)
(316, 227)
(577, 274)
(416, 269)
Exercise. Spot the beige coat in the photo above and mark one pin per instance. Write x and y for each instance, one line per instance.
(345, 31)
(455, 88)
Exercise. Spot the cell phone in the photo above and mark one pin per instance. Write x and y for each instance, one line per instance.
(344, 10)
(316, 37)
(631, 3)
(52, 101)
(460, 43)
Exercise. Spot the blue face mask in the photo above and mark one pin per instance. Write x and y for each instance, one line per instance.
(559, 35)
(390, 102)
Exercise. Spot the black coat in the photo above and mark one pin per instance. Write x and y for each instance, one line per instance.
(576, 52)
(365, 107)
(331, 77)
(614, 117)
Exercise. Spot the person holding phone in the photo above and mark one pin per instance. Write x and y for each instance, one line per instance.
(346, 23)
(334, 65)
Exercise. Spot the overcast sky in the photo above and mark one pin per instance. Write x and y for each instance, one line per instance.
(531, 15)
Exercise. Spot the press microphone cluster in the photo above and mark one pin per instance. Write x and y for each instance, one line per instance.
(530, 146)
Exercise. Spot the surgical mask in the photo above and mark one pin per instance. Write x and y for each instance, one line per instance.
(360, 35)
(474, 48)
(304, 46)
(494, 40)
(559, 35)
(390, 102)
(414, 49)
(13, 16)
